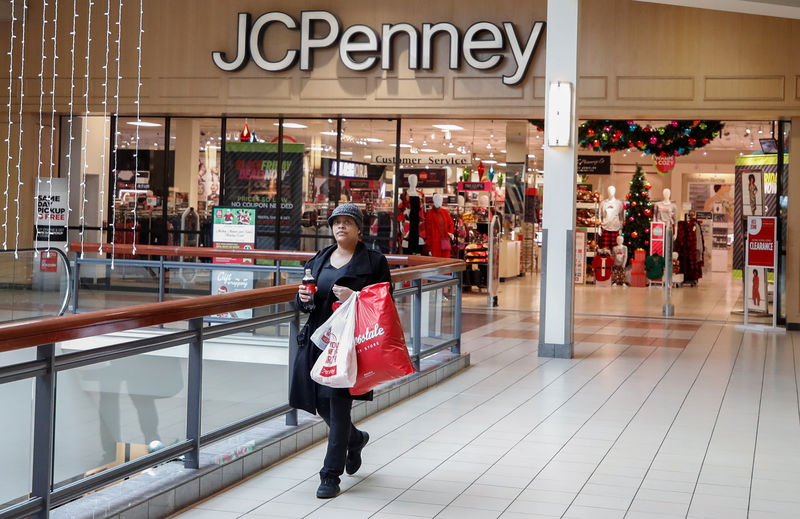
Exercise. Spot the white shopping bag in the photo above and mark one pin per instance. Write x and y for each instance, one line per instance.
(335, 322)
(336, 366)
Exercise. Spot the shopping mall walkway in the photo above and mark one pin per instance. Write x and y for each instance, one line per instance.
(651, 419)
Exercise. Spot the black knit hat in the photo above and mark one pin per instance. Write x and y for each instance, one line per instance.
(351, 210)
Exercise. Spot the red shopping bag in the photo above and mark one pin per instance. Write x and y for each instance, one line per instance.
(380, 343)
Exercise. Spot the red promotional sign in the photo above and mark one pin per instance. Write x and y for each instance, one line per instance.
(664, 164)
(761, 241)
(48, 261)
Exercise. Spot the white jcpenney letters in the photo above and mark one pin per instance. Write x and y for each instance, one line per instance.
(483, 45)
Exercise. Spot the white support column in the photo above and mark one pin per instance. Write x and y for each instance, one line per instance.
(558, 206)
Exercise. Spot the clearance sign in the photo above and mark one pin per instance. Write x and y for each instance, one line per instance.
(761, 237)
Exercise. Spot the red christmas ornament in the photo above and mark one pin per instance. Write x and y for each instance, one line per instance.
(647, 242)
(695, 123)
(692, 142)
(674, 124)
(647, 231)
(245, 135)
(633, 204)
(590, 132)
(653, 139)
(705, 140)
(648, 185)
(631, 218)
(596, 143)
(634, 234)
(648, 212)
(628, 196)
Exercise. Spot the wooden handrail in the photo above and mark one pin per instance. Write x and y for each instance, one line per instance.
(208, 252)
(25, 334)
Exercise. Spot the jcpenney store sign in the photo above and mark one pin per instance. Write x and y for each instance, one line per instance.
(483, 46)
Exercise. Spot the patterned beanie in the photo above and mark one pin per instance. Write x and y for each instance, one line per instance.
(351, 210)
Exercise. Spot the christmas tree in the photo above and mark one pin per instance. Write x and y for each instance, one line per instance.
(638, 213)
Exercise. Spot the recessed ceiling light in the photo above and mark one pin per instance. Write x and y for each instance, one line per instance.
(531, 156)
(451, 154)
(316, 148)
(448, 127)
(501, 163)
(329, 132)
(490, 162)
(143, 123)
(347, 153)
(401, 145)
(428, 150)
(372, 139)
(367, 156)
(292, 125)
(503, 151)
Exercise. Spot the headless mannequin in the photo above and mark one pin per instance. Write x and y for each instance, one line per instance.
(620, 254)
(666, 210)
(611, 214)
(439, 229)
(414, 246)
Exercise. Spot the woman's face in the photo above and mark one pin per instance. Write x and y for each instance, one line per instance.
(345, 230)
(751, 181)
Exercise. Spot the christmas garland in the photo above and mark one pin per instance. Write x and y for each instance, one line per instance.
(676, 138)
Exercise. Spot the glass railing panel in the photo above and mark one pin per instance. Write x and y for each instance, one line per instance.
(405, 310)
(102, 287)
(112, 412)
(244, 374)
(32, 284)
(16, 441)
(438, 317)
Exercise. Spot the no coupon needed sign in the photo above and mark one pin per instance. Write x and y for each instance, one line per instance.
(761, 241)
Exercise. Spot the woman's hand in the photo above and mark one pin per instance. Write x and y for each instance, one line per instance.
(342, 293)
(304, 294)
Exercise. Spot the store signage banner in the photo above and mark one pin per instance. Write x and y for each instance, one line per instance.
(250, 179)
(475, 186)
(425, 177)
(234, 228)
(227, 281)
(664, 164)
(483, 46)
(580, 256)
(425, 160)
(761, 239)
(594, 164)
(51, 212)
(657, 231)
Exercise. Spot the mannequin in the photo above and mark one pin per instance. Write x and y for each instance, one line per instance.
(414, 217)
(439, 229)
(666, 210)
(620, 254)
(611, 215)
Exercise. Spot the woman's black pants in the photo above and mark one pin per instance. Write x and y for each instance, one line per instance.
(342, 434)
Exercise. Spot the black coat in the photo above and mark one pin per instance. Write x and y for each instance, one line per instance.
(366, 267)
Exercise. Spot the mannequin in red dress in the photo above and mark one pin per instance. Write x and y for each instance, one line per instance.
(439, 229)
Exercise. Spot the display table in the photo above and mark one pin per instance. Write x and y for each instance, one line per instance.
(510, 257)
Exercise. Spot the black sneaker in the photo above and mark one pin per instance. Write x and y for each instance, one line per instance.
(328, 488)
(354, 455)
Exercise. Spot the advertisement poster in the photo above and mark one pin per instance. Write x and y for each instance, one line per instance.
(234, 229)
(227, 281)
(580, 256)
(51, 212)
(752, 193)
(757, 289)
(657, 231)
(761, 241)
(250, 178)
(425, 177)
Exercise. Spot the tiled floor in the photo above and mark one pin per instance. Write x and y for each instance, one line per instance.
(648, 420)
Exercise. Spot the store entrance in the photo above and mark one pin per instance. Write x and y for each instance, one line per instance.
(704, 197)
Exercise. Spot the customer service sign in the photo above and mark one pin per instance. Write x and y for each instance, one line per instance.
(481, 46)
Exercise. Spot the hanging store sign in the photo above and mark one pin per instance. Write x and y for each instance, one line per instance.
(483, 46)
(425, 160)
(664, 164)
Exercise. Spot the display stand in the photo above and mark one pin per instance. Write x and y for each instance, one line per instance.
(761, 252)
(580, 256)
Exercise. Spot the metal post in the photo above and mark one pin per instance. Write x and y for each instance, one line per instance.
(43, 420)
(457, 317)
(161, 274)
(294, 329)
(75, 284)
(416, 321)
(194, 393)
(668, 309)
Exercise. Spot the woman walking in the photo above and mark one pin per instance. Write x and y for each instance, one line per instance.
(338, 270)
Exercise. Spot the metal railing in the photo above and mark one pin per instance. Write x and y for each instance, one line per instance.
(68, 346)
